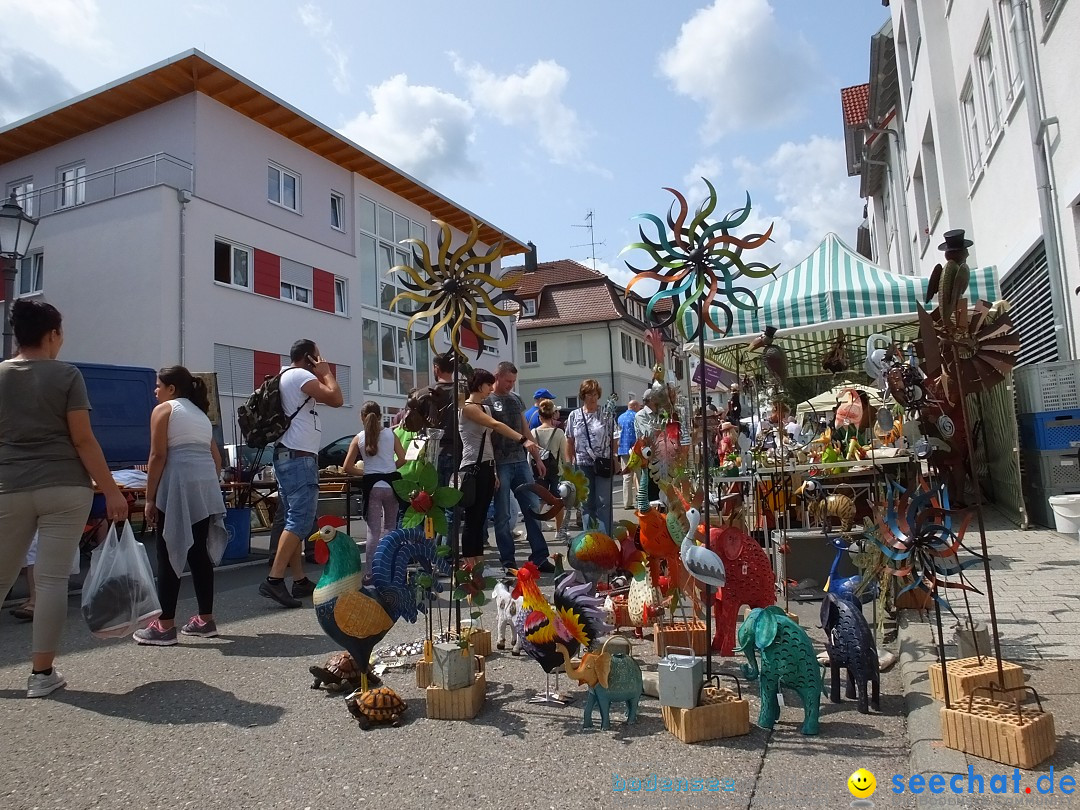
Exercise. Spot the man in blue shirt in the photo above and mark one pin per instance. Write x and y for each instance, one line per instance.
(627, 437)
(532, 416)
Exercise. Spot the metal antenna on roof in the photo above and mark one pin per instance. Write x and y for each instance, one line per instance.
(592, 243)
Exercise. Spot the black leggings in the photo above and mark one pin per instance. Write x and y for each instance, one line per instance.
(474, 532)
(202, 571)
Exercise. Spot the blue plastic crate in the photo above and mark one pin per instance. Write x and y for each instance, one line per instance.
(1051, 430)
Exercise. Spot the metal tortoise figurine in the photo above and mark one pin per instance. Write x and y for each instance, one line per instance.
(380, 705)
(338, 673)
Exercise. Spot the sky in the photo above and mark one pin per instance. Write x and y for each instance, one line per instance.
(531, 115)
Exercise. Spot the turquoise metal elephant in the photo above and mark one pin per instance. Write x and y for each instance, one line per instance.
(610, 677)
(787, 659)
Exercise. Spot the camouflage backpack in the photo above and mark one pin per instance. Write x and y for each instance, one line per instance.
(262, 418)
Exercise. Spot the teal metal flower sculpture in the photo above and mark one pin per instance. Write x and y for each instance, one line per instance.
(698, 265)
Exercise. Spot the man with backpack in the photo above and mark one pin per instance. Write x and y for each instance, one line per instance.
(303, 385)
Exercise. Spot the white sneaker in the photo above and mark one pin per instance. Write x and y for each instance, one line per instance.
(42, 685)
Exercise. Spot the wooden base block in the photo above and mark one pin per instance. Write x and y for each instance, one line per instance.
(915, 599)
(967, 674)
(457, 704)
(689, 635)
(479, 641)
(423, 674)
(993, 730)
(727, 718)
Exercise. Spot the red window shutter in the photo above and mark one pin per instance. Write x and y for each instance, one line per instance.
(323, 292)
(468, 340)
(267, 274)
(267, 364)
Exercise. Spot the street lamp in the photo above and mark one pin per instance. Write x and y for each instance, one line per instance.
(16, 231)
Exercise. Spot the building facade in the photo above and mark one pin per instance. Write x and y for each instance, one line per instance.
(968, 122)
(575, 323)
(188, 216)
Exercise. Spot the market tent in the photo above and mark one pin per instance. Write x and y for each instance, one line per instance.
(826, 402)
(834, 292)
(834, 288)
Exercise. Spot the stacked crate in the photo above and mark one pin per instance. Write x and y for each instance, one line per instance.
(1048, 408)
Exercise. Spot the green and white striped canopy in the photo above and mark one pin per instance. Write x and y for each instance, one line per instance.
(831, 289)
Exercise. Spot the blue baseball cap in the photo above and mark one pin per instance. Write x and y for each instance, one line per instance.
(543, 393)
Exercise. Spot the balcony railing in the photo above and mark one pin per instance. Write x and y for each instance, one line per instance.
(155, 170)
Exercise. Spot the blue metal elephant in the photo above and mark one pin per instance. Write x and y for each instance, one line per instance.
(787, 659)
(610, 677)
(850, 643)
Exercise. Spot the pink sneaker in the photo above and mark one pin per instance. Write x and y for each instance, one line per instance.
(196, 626)
(155, 636)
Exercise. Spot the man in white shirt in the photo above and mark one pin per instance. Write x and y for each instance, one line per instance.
(304, 384)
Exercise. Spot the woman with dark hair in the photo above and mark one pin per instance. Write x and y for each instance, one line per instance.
(475, 426)
(184, 503)
(48, 456)
(382, 454)
(590, 445)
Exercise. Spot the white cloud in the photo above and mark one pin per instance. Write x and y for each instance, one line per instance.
(28, 83)
(532, 100)
(735, 60)
(423, 130)
(322, 30)
(74, 24)
(804, 190)
(710, 168)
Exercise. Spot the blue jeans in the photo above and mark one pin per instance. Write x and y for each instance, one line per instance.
(597, 506)
(511, 476)
(298, 492)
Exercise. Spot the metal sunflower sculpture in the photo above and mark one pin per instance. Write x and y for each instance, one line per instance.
(454, 289)
(921, 537)
(698, 265)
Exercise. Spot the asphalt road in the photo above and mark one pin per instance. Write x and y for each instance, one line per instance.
(232, 722)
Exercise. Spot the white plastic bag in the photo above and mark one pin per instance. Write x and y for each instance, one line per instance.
(119, 595)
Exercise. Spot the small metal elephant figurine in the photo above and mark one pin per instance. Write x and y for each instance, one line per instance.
(850, 644)
(610, 677)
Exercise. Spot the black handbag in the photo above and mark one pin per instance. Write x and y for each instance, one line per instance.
(603, 467)
(469, 474)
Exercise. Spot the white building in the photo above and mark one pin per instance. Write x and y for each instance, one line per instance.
(969, 121)
(188, 216)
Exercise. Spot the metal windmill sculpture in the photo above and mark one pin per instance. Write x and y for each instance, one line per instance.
(453, 289)
(700, 266)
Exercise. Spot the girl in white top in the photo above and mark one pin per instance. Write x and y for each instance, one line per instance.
(382, 454)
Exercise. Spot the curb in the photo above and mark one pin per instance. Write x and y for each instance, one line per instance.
(927, 755)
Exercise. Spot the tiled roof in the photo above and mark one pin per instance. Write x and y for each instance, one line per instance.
(530, 285)
(575, 302)
(855, 101)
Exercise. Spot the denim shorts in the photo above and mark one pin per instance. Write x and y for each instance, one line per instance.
(298, 492)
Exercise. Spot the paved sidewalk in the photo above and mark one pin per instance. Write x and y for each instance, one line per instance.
(1034, 577)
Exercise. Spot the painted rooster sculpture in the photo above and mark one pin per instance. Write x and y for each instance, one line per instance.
(576, 620)
(356, 615)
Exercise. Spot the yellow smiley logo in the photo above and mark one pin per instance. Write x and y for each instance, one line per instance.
(862, 784)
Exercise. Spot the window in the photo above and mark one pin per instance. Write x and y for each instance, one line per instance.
(370, 344)
(343, 375)
(972, 144)
(366, 211)
(24, 191)
(232, 264)
(528, 308)
(72, 180)
(922, 238)
(903, 61)
(988, 90)
(378, 255)
(423, 364)
(573, 349)
(31, 270)
(294, 292)
(571, 403)
(930, 177)
(283, 187)
(337, 211)
(235, 369)
(531, 353)
(627, 348)
(398, 369)
(1008, 47)
(340, 297)
(914, 32)
(639, 351)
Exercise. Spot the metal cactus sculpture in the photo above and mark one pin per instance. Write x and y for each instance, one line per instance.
(698, 264)
(454, 289)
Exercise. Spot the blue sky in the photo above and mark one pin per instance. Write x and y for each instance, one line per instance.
(529, 114)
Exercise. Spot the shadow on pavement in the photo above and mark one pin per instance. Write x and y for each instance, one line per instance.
(168, 703)
(271, 645)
